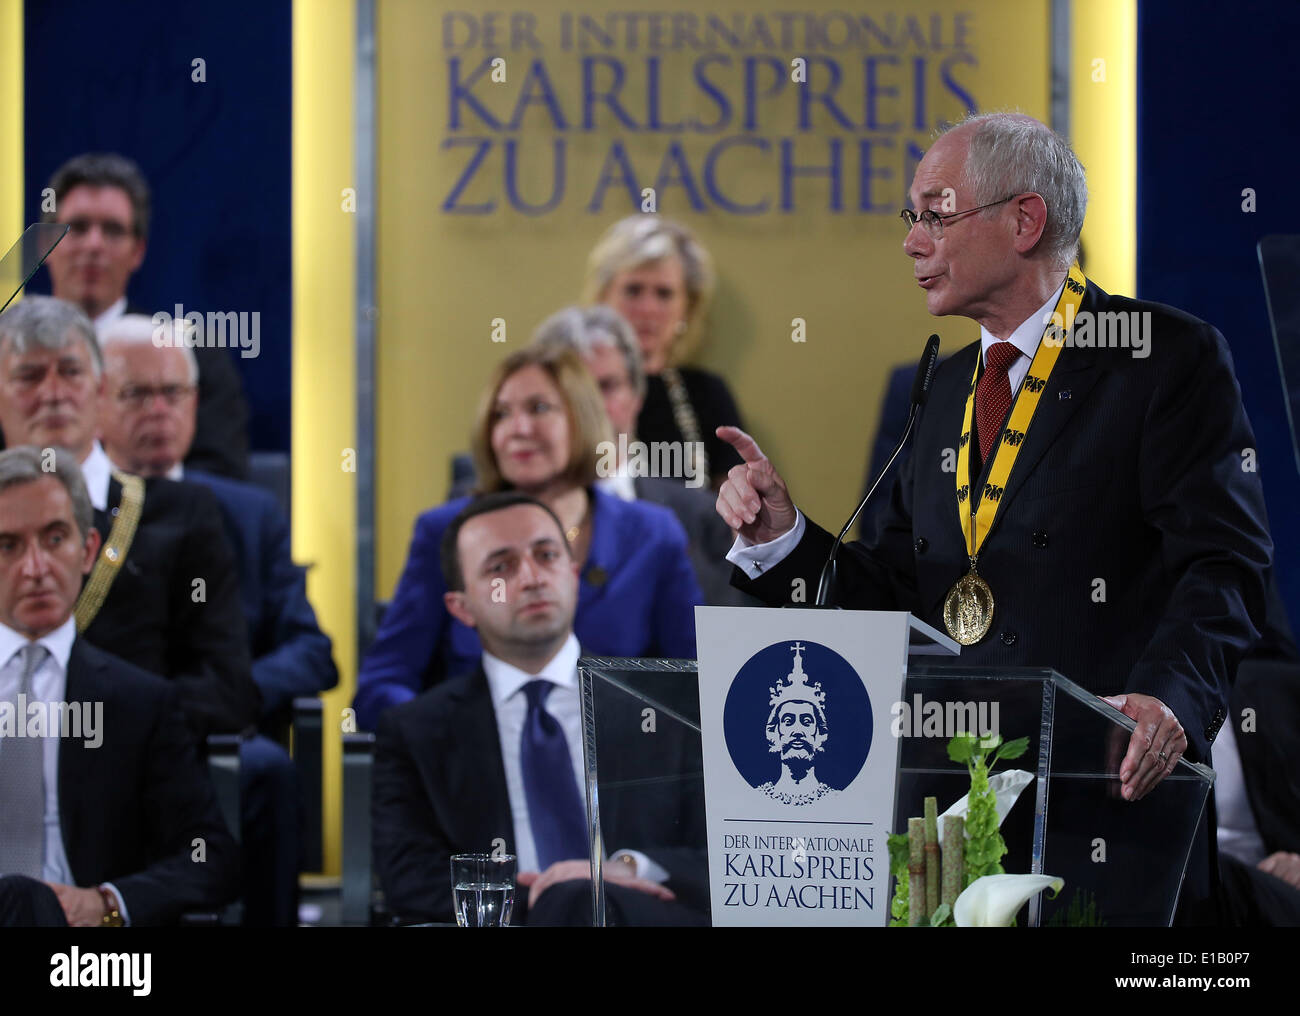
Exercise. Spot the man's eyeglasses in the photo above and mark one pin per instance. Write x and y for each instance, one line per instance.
(139, 396)
(933, 221)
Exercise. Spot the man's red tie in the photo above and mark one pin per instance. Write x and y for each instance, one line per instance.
(993, 395)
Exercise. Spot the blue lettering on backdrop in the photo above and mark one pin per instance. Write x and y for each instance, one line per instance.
(876, 79)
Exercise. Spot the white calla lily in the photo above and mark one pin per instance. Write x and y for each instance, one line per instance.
(992, 901)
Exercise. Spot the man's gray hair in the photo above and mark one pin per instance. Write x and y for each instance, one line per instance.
(586, 329)
(138, 330)
(43, 322)
(27, 464)
(1011, 153)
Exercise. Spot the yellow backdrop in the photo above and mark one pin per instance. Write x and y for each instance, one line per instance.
(475, 224)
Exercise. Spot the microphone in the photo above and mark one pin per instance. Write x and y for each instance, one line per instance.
(920, 392)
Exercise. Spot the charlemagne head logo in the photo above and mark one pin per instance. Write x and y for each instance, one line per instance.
(797, 733)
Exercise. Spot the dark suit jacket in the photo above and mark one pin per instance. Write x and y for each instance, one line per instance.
(291, 655)
(707, 537)
(893, 421)
(151, 618)
(220, 442)
(440, 789)
(1270, 754)
(1132, 473)
(131, 808)
(221, 429)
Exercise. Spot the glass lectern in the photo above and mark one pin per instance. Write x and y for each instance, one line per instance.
(1122, 862)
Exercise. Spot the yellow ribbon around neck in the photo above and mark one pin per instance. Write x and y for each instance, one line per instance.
(114, 551)
(981, 506)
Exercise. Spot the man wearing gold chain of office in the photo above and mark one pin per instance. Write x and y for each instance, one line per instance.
(1100, 521)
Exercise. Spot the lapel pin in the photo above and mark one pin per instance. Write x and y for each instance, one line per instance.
(1064, 394)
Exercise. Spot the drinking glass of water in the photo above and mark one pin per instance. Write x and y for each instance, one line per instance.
(483, 889)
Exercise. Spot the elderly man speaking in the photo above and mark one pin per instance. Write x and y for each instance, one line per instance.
(1101, 519)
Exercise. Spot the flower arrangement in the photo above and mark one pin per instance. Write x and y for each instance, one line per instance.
(963, 884)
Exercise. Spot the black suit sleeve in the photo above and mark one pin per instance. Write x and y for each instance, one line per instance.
(297, 658)
(1270, 747)
(221, 429)
(197, 864)
(876, 574)
(1199, 491)
(411, 852)
(208, 642)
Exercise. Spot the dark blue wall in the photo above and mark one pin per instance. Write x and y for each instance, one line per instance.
(117, 76)
(1217, 88)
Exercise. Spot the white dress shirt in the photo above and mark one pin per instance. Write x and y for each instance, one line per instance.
(755, 558)
(49, 685)
(97, 471)
(510, 703)
(114, 311)
(1238, 834)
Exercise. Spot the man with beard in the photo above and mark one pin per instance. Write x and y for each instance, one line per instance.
(797, 731)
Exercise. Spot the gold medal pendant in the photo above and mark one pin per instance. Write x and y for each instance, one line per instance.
(968, 610)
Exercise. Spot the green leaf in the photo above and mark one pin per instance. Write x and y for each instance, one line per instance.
(942, 914)
(1013, 749)
(900, 852)
(961, 747)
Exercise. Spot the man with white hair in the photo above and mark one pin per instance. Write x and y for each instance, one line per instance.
(1104, 517)
(147, 421)
(164, 593)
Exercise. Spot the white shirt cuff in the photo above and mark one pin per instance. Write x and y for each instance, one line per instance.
(121, 903)
(756, 558)
(645, 868)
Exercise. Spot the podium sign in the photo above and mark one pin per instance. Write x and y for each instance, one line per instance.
(800, 765)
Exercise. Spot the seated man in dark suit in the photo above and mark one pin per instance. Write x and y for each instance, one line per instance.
(164, 594)
(104, 199)
(492, 759)
(147, 420)
(108, 816)
(1257, 789)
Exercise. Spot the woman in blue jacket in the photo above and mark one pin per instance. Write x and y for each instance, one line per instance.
(539, 430)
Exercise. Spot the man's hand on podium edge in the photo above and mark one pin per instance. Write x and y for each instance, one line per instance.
(568, 871)
(1157, 743)
(754, 500)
